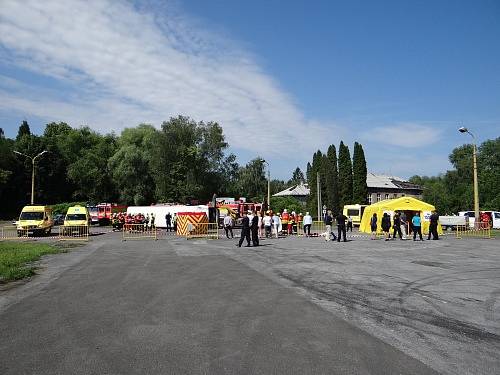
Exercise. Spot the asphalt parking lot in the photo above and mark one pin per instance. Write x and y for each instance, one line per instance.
(307, 305)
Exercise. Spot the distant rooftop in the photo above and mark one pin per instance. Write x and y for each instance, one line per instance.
(372, 181)
(294, 191)
(384, 181)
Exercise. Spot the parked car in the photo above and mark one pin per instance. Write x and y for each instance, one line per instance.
(58, 219)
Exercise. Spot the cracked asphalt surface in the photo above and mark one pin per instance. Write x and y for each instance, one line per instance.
(291, 306)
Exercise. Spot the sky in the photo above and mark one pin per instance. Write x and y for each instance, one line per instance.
(283, 79)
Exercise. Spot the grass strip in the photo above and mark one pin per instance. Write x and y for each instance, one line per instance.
(16, 258)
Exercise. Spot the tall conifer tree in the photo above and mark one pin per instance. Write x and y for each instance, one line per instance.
(359, 187)
(312, 202)
(345, 175)
(332, 180)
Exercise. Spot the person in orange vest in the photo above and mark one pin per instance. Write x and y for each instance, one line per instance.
(291, 222)
(285, 216)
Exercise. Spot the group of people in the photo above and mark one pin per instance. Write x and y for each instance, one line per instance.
(141, 221)
(343, 224)
(400, 224)
(171, 221)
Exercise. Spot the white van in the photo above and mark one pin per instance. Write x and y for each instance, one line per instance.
(494, 217)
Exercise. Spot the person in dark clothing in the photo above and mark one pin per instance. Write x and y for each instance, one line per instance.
(397, 227)
(245, 230)
(341, 229)
(373, 226)
(433, 226)
(168, 220)
(386, 226)
(255, 230)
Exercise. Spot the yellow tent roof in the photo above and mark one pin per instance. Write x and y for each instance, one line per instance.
(391, 205)
(403, 204)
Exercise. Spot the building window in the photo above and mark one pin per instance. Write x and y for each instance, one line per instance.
(402, 195)
(378, 197)
(369, 198)
(387, 196)
(394, 195)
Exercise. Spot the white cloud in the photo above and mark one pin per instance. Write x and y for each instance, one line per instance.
(405, 135)
(127, 66)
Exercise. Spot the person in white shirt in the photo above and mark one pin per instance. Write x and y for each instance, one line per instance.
(307, 224)
(267, 220)
(276, 224)
(228, 225)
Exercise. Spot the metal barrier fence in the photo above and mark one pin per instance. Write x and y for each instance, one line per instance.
(74, 232)
(138, 232)
(203, 230)
(480, 230)
(12, 233)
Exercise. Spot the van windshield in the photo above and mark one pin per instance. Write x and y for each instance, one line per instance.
(72, 217)
(31, 216)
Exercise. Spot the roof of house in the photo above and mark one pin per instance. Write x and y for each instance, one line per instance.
(383, 181)
(294, 191)
(372, 181)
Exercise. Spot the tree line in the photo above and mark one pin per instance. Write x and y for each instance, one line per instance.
(182, 161)
(342, 180)
(453, 190)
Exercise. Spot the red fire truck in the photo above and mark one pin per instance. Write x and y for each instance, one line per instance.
(105, 210)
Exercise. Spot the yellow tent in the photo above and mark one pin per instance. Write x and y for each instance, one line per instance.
(408, 205)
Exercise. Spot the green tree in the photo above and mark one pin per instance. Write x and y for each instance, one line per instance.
(130, 165)
(24, 129)
(345, 175)
(312, 202)
(278, 204)
(297, 177)
(359, 172)
(252, 181)
(189, 161)
(332, 186)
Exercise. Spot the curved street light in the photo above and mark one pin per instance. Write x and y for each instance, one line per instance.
(268, 183)
(463, 129)
(33, 158)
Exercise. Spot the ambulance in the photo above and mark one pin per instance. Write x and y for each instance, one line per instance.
(35, 220)
(77, 216)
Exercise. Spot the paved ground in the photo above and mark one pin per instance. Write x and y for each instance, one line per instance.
(292, 306)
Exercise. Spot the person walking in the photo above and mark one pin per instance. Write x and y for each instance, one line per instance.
(308, 220)
(341, 228)
(228, 225)
(276, 223)
(433, 226)
(254, 228)
(268, 221)
(397, 227)
(328, 225)
(260, 224)
(245, 230)
(373, 226)
(349, 223)
(417, 226)
(386, 226)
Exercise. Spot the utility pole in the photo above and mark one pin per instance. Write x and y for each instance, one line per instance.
(33, 158)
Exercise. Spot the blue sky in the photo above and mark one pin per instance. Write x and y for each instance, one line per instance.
(283, 78)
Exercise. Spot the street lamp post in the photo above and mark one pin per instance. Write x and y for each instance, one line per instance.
(268, 183)
(476, 188)
(33, 158)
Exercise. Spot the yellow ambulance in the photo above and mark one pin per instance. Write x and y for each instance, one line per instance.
(77, 216)
(36, 220)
